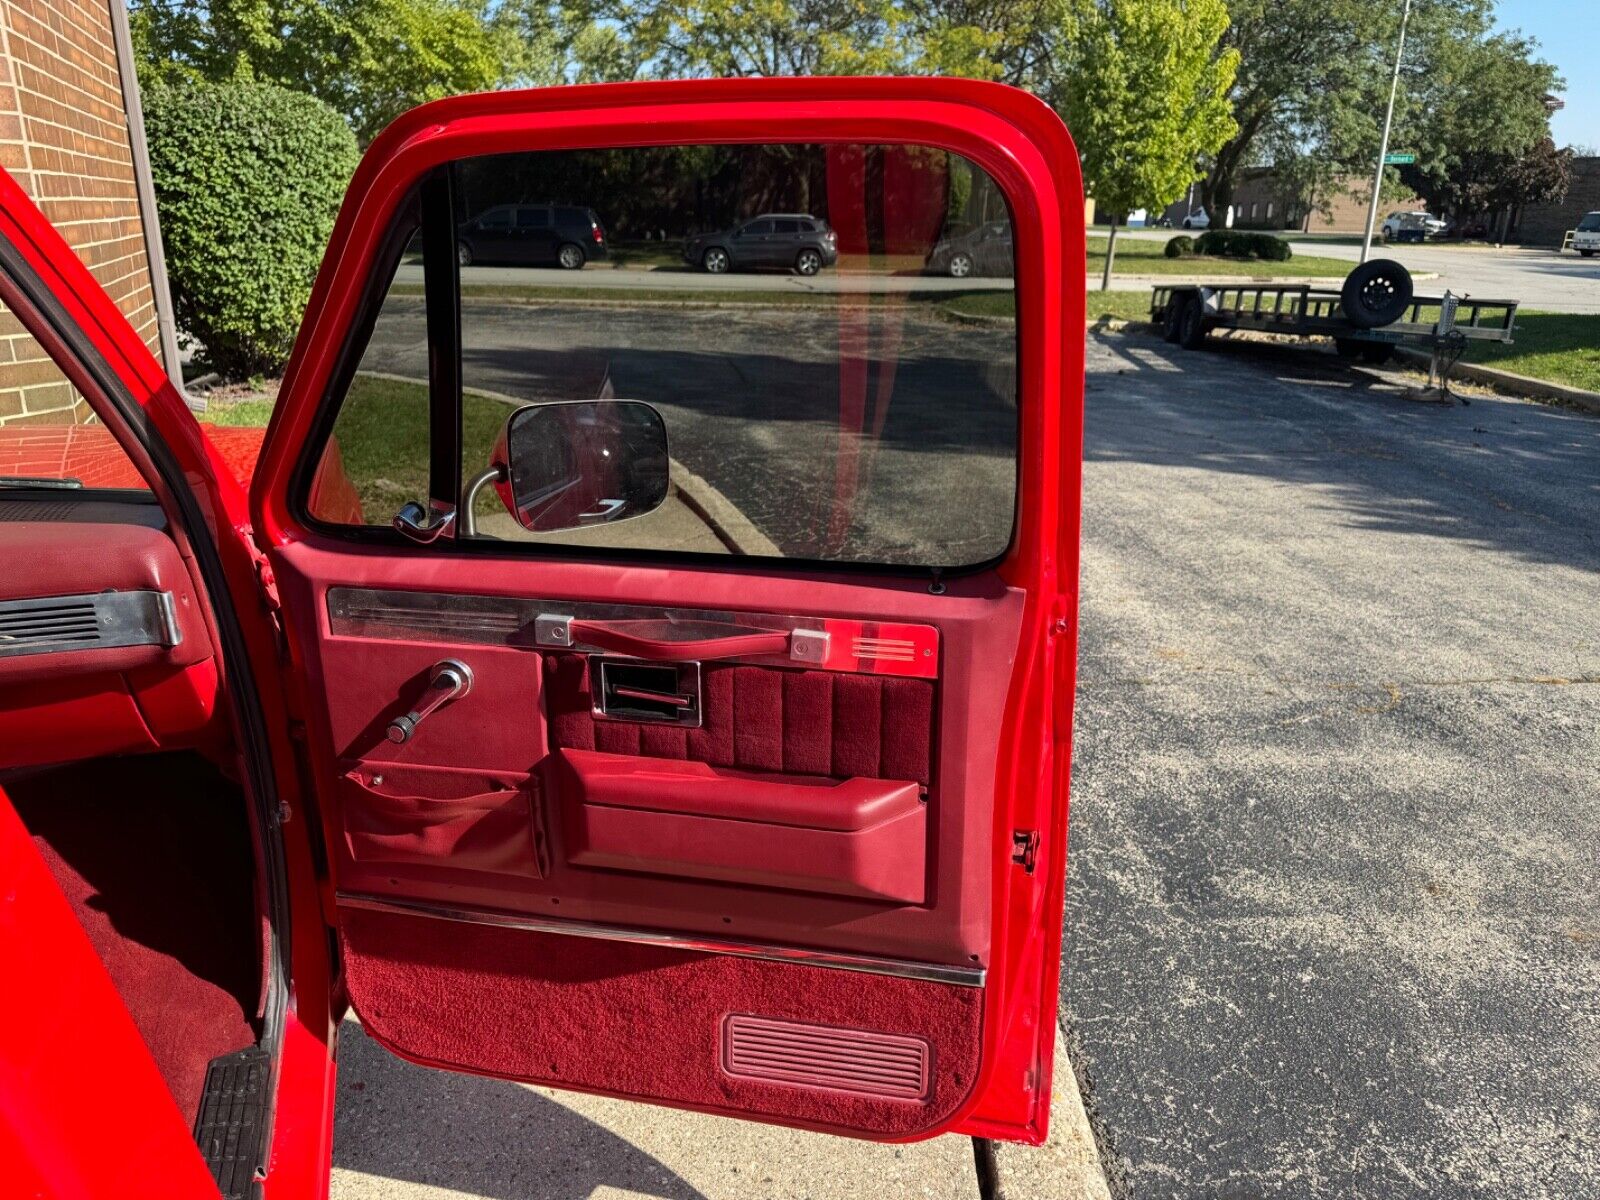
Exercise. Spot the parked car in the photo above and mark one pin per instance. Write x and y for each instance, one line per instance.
(562, 235)
(1411, 226)
(792, 241)
(1197, 218)
(1586, 237)
(762, 837)
(985, 250)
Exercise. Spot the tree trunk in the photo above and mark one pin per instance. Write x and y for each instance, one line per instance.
(1111, 254)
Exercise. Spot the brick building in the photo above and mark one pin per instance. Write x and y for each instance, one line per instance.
(71, 134)
(1262, 201)
(1547, 224)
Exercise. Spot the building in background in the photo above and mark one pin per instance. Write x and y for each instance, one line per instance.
(72, 135)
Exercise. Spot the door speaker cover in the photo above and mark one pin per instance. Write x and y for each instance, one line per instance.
(865, 1062)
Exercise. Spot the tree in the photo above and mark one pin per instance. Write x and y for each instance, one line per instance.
(1144, 91)
(1481, 111)
(248, 178)
(369, 59)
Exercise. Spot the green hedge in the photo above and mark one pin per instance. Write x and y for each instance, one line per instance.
(1181, 246)
(248, 179)
(1238, 243)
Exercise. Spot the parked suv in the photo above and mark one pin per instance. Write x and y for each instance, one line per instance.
(532, 234)
(985, 250)
(794, 241)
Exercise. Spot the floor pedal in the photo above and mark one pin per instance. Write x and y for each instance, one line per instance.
(232, 1121)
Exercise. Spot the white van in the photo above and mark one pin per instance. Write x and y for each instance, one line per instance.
(1586, 238)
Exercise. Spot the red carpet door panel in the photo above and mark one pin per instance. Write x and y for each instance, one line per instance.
(838, 1051)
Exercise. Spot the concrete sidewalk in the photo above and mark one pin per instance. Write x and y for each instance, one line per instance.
(410, 1133)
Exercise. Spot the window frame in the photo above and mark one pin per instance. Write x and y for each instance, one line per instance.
(375, 289)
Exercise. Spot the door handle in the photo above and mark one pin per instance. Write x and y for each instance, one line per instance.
(566, 631)
(425, 525)
(450, 680)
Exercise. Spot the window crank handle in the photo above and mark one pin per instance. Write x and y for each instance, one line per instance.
(451, 680)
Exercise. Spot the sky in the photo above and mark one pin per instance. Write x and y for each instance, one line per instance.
(1568, 33)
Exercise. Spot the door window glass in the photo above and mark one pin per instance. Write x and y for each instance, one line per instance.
(533, 218)
(871, 417)
(868, 415)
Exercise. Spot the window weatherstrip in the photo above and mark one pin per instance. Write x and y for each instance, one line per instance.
(442, 288)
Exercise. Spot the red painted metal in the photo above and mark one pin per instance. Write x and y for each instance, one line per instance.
(84, 1112)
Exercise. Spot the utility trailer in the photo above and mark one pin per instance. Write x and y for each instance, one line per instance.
(1373, 312)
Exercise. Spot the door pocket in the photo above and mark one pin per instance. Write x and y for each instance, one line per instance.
(443, 817)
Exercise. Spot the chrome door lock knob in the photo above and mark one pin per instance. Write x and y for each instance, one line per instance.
(451, 679)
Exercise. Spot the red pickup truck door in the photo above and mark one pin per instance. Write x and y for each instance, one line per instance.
(778, 833)
(825, 889)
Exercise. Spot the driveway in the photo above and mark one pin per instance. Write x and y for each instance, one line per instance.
(1333, 926)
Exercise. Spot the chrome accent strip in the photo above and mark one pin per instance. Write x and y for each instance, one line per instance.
(840, 644)
(833, 960)
(87, 621)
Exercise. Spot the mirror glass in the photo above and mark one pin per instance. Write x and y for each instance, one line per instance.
(586, 462)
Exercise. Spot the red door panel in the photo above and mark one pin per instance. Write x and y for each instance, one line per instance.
(835, 901)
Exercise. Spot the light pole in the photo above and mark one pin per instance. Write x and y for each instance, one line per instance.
(1383, 146)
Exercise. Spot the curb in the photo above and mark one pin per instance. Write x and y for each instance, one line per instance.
(1067, 1166)
(1511, 382)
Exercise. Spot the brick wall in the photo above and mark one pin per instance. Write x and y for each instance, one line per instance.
(64, 137)
(1547, 224)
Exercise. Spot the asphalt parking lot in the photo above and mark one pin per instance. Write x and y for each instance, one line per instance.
(1333, 926)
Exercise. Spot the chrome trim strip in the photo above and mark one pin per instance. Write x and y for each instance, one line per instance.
(87, 621)
(834, 960)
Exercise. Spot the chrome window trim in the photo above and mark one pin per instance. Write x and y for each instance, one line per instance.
(830, 959)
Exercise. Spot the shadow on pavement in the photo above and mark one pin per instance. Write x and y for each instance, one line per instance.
(398, 1123)
(1519, 478)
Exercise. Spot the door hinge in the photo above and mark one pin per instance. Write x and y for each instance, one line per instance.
(1025, 849)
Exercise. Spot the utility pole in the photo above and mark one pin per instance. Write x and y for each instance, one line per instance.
(1383, 146)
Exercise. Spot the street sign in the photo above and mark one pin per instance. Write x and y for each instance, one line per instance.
(1399, 160)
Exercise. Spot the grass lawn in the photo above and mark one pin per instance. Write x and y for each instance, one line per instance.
(383, 438)
(1558, 347)
(1136, 256)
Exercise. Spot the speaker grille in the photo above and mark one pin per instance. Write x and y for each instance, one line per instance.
(862, 1061)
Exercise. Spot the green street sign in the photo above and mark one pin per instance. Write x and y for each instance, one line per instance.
(1399, 160)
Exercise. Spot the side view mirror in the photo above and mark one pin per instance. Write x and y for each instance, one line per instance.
(583, 462)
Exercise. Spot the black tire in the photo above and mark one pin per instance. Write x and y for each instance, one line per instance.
(1377, 353)
(1169, 318)
(463, 254)
(808, 262)
(716, 261)
(1587, 253)
(1376, 293)
(1347, 347)
(571, 257)
(1192, 324)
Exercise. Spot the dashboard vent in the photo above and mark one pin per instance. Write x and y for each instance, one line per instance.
(72, 621)
(96, 621)
(863, 1061)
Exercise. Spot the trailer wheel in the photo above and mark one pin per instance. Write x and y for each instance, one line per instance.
(1170, 317)
(1376, 293)
(1192, 324)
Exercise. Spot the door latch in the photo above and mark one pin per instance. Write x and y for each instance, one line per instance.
(1025, 849)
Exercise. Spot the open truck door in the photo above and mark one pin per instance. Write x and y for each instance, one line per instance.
(677, 695)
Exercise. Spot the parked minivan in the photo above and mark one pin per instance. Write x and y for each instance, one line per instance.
(534, 235)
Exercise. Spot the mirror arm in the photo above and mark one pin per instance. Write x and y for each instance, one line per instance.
(469, 498)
